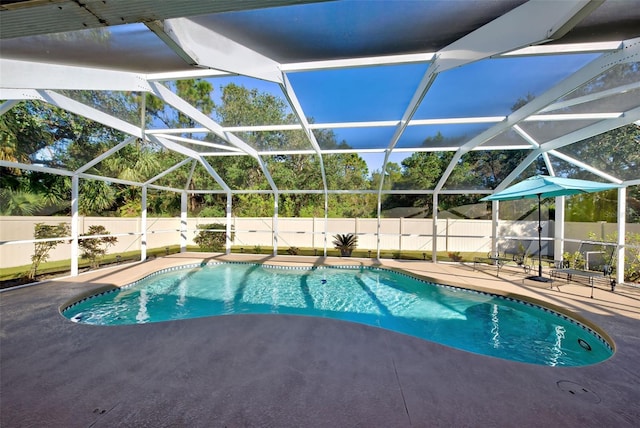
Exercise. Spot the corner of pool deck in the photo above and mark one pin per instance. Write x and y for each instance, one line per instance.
(288, 371)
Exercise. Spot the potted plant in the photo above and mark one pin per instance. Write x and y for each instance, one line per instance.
(345, 243)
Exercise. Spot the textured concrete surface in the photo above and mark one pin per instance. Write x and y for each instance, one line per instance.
(286, 371)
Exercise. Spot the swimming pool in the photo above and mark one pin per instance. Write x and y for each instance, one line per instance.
(469, 320)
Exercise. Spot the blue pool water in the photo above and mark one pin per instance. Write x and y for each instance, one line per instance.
(473, 321)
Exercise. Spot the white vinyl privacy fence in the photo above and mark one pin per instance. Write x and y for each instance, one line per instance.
(395, 234)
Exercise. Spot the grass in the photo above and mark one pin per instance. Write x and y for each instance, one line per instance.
(360, 253)
(62, 267)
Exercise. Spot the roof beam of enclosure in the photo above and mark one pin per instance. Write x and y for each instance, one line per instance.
(170, 170)
(592, 97)
(190, 177)
(7, 105)
(57, 171)
(178, 103)
(19, 94)
(198, 142)
(579, 135)
(489, 40)
(522, 146)
(597, 128)
(203, 47)
(206, 48)
(175, 101)
(389, 123)
(347, 191)
(296, 107)
(171, 145)
(532, 141)
(120, 125)
(106, 154)
(36, 75)
(357, 62)
(630, 49)
(568, 48)
(34, 167)
(583, 165)
(571, 48)
(81, 109)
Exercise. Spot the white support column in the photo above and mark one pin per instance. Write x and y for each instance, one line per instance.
(143, 225)
(378, 224)
(326, 222)
(401, 220)
(228, 210)
(274, 226)
(75, 184)
(495, 218)
(622, 230)
(558, 244)
(434, 242)
(183, 222)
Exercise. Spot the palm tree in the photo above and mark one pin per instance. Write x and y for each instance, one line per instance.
(19, 202)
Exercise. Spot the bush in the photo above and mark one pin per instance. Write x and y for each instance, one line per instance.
(212, 237)
(345, 243)
(42, 249)
(293, 251)
(574, 260)
(94, 249)
(632, 253)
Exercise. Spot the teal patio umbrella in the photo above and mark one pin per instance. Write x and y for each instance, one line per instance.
(544, 186)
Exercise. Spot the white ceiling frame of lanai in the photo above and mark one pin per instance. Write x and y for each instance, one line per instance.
(210, 50)
(205, 48)
(489, 41)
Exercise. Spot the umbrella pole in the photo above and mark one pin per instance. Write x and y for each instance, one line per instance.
(539, 238)
(539, 277)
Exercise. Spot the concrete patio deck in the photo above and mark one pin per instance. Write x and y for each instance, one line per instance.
(286, 371)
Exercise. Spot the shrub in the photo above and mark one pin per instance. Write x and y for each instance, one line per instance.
(575, 260)
(293, 251)
(455, 256)
(42, 249)
(345, 243)
(212, 237)
(632, 253)
(94, 249)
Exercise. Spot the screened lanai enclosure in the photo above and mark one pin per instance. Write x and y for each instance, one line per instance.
(287, 122)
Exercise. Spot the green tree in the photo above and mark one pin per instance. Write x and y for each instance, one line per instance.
(19, 202)
(36, 132)
(615, 152)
